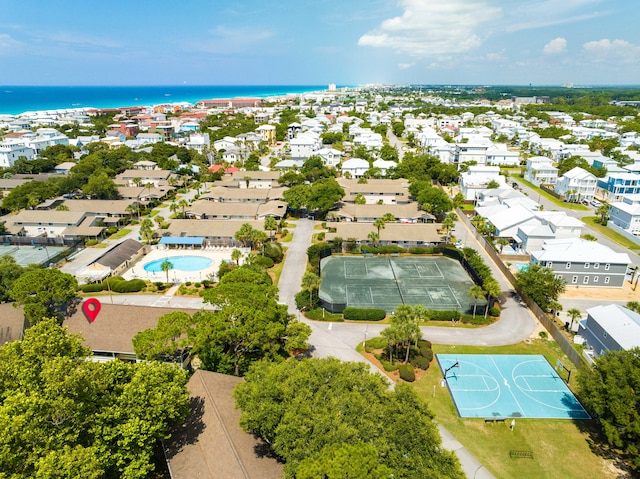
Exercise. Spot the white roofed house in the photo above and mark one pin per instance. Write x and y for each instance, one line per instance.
(477, 178)
(330, 156)
(198, 142)
(355, 167)
(473, 150)
(540, 170)
(576, 185)
(305, 145)
(499, 154)
(583, 263)
(384, 165)
(609, 327)
(11, 150)
(625, 214)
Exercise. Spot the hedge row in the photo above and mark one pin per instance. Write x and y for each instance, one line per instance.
(117, 284)
(477, 263)
(364, 314)
(319, 314)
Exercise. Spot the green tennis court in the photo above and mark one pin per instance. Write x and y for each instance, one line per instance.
(27, 254)
(385, 282)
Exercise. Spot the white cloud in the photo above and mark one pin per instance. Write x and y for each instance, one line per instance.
(555, 46)
(618, 50)
(405, 66)
(8, 44)
(431, 28)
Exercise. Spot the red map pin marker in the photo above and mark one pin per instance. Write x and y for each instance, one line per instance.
(91, 308)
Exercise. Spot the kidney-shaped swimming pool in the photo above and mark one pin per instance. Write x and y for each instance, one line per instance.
(179, 263)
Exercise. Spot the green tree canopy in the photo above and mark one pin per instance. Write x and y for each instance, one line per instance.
(610, 391)
(64, 416)
(540, 284)
(308, 409)
(44, 293)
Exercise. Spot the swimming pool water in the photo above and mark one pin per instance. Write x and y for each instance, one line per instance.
(180, 263)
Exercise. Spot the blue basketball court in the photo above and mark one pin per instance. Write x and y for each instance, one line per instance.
(501, 386)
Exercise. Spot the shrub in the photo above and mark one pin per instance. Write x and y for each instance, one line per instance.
(543, 334)
(91, 242)
(262, 261)
(112, 230)
(364, 314)
(197, 285)
(407, 373)
(302, 300)
(188, 283)
(386, 365)
(428, 355)
(160, 285)
(420, 362)
(376, 343)
(437, 315)
(386, 249)
(273, 250)
(132, 286)
(495, 312)
(424, 344)
(319, 314)
(92, 287)
(207, 283)
(321, 236)
(421, 250)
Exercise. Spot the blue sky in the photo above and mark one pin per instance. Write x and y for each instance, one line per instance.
(348, 42)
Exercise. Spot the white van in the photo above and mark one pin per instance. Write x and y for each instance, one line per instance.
(596, 203)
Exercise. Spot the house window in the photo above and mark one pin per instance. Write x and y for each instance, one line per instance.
(568, 264)
(596, 265)
(586, 266)
(585, 280)
(606, 267)
(550, 264)
(606, 280)
(604, 335)
(574, 279)
(596, 278)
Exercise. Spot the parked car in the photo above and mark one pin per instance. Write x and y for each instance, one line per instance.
(596, 203)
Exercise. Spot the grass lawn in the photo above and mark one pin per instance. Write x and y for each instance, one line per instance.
(276, 270)
(120, 234)
(612, 235)
(561, 448)
(553, 199)
(287, 238)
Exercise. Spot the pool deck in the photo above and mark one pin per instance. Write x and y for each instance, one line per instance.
(176, 276)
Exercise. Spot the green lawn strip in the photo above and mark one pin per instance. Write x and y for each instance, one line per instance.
(553, 199)
(277, 270)
(608, 232)
(287, 238)
(154, 212)
(560, 448)
(120, 234)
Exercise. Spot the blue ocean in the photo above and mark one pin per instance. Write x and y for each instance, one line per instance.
(19, 99)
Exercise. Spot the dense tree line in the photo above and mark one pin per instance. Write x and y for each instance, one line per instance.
(64, 416)
(316, 412)
(247, 325)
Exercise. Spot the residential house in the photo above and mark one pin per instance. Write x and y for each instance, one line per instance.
(609, 327)
(54, 223)
(576, 185)
(477, 178)
(330, 156)
(355, 167)
(403, 213)
(268, 133)
(215, 232)
(144, 177)
(396, 234)
(499, 155)
(583, 263)
(113, 262)
(625, 214)
(472, 150)
(384, 165)
(255, 179)
(376, 191)
(64, 168)
(305, 145)
(214, 210)
(540, 170)
(223, 194)
(615, 186)
(12, 150)
(199, 142)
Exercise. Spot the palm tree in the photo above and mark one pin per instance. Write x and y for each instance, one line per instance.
(573, 314)
(479, 222)
(166, 266)
(476, 292)
(183, 204)
(633, 306)
(173, 207)
(146, 229)
(159, 221)
(270, 224)
(310, 282)
(373, 237)
(137, 181)
(603, 212)
(379, 224)
(502, 242)
(492, 288)
(449, 223)
(236, 254)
